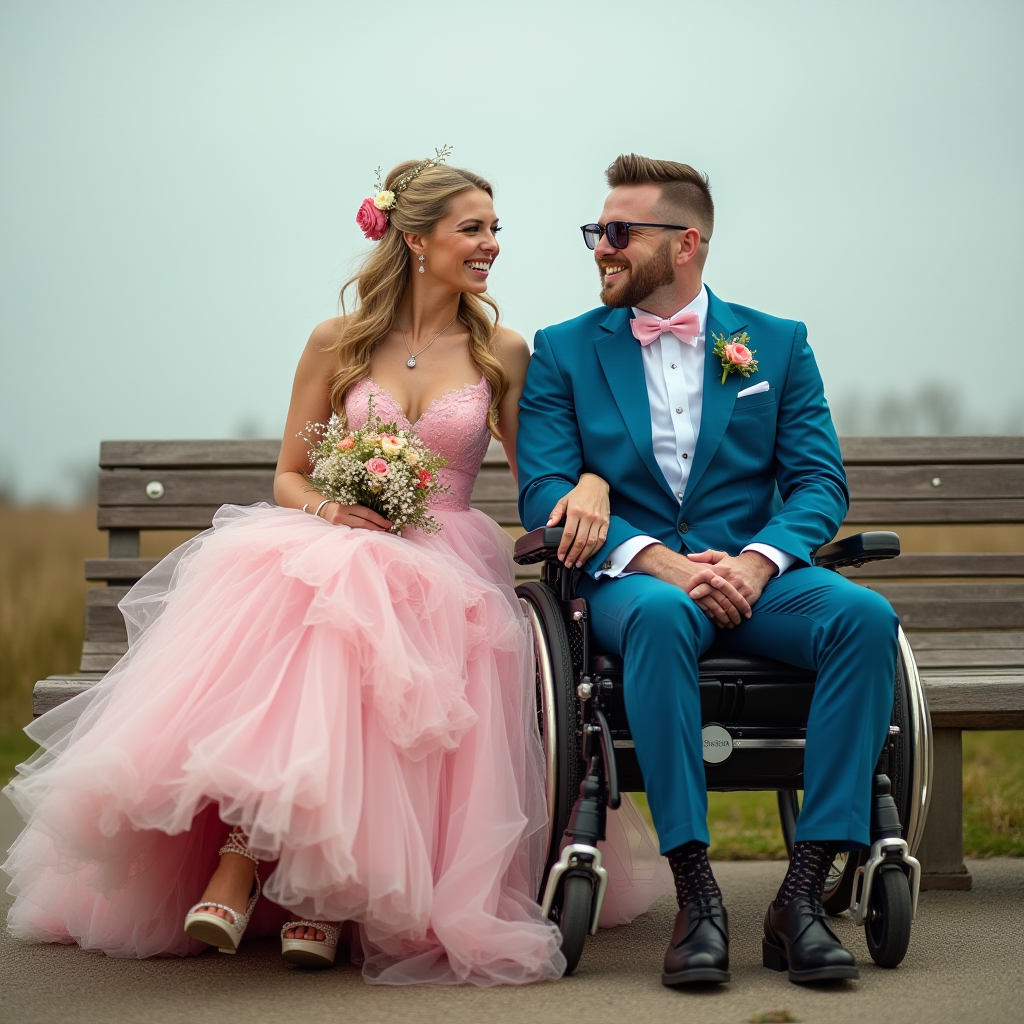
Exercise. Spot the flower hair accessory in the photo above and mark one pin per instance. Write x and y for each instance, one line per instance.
(735, 354)
(375, 212)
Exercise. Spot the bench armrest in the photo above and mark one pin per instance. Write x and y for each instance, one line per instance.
(538, 545)
(850, 552)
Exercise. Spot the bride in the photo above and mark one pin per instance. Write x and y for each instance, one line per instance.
(315, 708)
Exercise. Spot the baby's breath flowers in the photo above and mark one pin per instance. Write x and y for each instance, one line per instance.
(379, 466)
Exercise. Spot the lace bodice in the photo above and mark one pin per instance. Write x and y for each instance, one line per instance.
(453, 426)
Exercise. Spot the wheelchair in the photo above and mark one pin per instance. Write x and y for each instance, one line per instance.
(754, 714)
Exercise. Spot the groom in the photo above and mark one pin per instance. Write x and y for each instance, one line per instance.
(725, 476)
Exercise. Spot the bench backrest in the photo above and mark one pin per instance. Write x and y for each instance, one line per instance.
(894, 481)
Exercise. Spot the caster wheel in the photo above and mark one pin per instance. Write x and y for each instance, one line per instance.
(888, 928)
(574, 919)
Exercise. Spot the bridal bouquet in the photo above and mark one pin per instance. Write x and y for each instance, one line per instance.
(378, 466)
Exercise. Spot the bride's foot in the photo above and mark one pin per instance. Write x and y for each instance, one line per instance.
(301, 931)
(310, 943)
(218, 918)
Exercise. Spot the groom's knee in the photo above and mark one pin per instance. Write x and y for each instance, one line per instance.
(667, 617)
(870, 612)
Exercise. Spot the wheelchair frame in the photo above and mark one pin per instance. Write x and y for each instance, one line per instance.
(588, 754)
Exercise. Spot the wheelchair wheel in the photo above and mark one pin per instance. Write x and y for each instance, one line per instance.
(888, 927)
(574, 917)
(557, 710)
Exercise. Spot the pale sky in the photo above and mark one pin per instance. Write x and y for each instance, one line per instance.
(178, 186)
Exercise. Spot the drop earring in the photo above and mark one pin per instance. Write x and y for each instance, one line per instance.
(422, 258)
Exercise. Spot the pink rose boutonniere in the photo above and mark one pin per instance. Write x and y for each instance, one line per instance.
(736, 355)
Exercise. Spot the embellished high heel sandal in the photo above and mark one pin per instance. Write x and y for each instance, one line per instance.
(311, 952)
(218, 931)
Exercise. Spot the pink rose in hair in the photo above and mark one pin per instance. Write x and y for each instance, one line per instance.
(376, 467)
(738, 354)
(347, 442)
(372, 222)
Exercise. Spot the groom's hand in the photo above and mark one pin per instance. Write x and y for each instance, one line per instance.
(716, 596)
(748, 572)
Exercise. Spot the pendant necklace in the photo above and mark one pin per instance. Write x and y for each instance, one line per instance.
(411, 361)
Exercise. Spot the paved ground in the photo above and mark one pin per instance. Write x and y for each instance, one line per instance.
(966, 963)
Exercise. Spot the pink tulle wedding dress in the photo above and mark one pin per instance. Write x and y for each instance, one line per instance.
(360, 704)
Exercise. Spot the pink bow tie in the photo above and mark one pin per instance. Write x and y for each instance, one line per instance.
(685, 326)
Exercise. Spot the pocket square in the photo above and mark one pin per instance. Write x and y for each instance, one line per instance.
(755, 390)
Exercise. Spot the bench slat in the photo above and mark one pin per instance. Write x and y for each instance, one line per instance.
(103, 621)
(156, 517)
(187, 487)
(988, 563)
(946, 606)
(975, 700)
(879, 513)
(963, 641)
(118, 568)
(856, 451)
(182, 454)
(907, 450)
(892, 483)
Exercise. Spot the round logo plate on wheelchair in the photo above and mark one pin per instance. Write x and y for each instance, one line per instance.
(717, 744)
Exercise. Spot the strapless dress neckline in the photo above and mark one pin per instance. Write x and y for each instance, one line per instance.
(482, 382)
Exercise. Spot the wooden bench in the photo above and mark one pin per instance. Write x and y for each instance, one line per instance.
(963, 612)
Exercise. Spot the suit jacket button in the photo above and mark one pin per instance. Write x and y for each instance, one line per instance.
(684, 527)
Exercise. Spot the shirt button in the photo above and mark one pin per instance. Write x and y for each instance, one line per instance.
(679, 495)
(673, 366)
(684, 527)
(685, 456)
(679, 408)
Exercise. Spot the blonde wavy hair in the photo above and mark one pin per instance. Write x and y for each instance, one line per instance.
(385, 275)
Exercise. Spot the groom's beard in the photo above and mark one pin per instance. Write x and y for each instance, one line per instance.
(641, 278)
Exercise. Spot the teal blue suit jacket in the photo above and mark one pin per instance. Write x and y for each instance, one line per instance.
(766, 467)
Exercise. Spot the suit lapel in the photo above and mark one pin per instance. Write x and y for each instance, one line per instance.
(619, 354)
(718, 399)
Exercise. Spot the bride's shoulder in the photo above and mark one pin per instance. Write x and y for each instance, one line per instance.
(511, 348)
(319, 358)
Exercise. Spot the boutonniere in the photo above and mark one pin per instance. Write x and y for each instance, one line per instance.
(735, 355)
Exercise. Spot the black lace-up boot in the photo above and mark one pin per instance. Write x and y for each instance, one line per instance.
(798, 935)
(699, 949)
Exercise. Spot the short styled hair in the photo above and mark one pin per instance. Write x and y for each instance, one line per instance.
(683, 188)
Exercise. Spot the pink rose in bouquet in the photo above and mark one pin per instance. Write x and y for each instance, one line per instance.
(379, 466)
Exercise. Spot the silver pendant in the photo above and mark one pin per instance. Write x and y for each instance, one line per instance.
(411, 362)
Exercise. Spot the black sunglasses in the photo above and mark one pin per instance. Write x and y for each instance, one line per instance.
(618, 232)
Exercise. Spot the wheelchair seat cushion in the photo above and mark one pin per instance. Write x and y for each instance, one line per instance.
(719, 663)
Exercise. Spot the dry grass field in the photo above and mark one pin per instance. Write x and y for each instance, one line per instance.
(42, 601)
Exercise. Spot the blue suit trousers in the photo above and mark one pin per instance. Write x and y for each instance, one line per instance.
(808, 617)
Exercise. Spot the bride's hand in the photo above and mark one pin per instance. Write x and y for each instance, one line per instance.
(357, 516)
(586, 510)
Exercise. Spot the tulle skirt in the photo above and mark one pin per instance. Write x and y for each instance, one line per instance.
(361, 705)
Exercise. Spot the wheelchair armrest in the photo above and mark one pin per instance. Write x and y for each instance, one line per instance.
(850, 552)
(538, 545)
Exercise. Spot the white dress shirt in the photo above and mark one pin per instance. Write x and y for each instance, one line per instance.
(674, 371)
